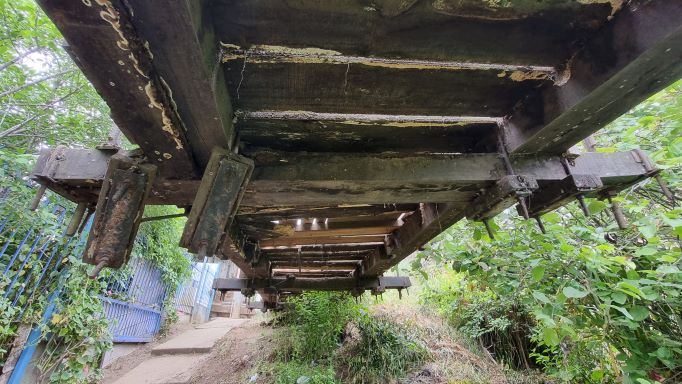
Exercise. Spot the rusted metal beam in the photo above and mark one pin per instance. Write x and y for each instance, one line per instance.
(636, 54)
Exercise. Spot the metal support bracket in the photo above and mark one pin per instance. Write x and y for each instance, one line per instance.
(118, 212)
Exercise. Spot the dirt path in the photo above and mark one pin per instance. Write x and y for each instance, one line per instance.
(236, 356)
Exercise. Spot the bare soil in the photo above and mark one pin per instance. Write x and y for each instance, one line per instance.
(237, 356)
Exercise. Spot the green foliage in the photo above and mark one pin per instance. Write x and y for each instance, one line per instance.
(315, 324)
(323, 330)
(157, 241)
(44, 98)
(589, 303)
(79, 328)
(384, 351)
(300, 373)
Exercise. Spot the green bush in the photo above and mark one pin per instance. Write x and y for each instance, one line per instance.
(315, 323)
(586, 301)
(384, 350)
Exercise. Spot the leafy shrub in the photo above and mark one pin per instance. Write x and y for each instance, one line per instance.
(315, 323)
(299, 373)
(382, 350)
(589, 302)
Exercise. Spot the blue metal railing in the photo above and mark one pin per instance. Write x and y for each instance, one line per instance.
(133, 302)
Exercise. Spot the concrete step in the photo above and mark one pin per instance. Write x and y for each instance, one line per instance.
(201, 339)
(175, 369)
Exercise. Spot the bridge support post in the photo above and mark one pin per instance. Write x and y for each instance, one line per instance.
(118, 213)
(221, 189)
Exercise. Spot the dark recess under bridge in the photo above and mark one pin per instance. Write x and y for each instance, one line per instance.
(317, 144)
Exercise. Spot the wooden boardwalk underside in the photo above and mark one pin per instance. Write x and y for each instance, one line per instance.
(372, 126)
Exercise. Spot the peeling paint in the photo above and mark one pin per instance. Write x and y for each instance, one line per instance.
(111, 16)
(358, 118)
(529, 75)
(167, 123)
(280, 54)
(616, 5)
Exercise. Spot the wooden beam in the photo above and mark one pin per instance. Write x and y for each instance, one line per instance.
(321, 284)
(289, 242)
(333, 213)
(451, 30)
(186, 52)
(286, 86)
(106, 47)
(420, 227)
(635, 55)
(333, 179)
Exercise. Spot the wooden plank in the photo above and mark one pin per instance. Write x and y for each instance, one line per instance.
(108, 50)
(635, 55)
(323, 284)
(185, 49)
(420, 227)
(324, 87)
(361, 231)
(343, 212)
(289, 242)
(357, 136)
(529, 33)
(339, 250)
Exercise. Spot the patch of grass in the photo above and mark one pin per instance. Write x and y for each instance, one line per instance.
(299, 373)
(378, 350)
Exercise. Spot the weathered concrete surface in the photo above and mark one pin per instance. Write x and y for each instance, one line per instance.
(174, 361)
(176, 369)
(198, 340)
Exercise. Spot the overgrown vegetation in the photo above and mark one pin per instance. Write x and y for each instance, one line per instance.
(586, 302)
(381, 349)
(329, 338)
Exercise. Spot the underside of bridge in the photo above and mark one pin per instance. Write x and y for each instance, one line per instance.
(318, 143)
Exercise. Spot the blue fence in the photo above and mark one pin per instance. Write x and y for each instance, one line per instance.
(196, 296)
(133, 302)
(31, 258)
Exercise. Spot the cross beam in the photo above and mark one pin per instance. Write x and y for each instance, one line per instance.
(321, 284)
(328, 179)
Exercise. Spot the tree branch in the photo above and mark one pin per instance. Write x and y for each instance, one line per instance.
(3, 66)
(34, 82)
